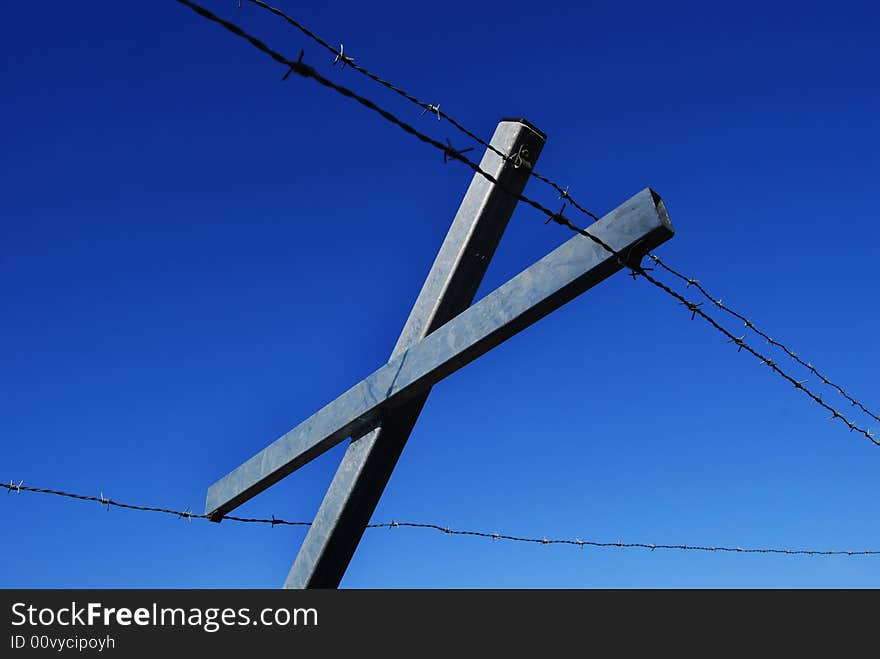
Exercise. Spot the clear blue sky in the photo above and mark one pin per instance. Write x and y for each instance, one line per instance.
(196, 256)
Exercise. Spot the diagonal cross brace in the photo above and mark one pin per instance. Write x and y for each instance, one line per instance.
(448, 290)
(638, 225)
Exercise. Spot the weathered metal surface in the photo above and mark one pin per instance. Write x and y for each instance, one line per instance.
(448, 290)
(638, 225)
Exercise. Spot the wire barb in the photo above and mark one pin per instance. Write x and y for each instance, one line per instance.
(559, 218)
(454, 154)
(342, 57)
(435, 109)
(739, 341)
(297, 67)
(693, 307)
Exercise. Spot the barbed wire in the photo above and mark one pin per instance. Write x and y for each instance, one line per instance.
(340, 56)
(690, 281)
(741, 344)
(306, 71)
(578, 542)
(347, 60)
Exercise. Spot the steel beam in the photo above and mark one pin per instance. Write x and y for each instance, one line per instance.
(448, 290)
(638, 225)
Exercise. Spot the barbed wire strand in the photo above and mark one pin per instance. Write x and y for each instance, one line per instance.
(339, 55)
(307, 71)
(578, 542)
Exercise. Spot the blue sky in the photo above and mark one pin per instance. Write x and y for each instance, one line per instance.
(196, 256)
